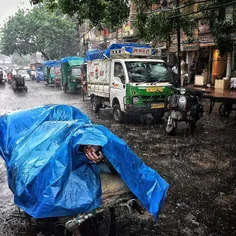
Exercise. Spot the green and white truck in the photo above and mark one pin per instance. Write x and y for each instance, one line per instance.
(125, 78)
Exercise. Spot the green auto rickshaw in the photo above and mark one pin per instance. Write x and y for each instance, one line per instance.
(71, 73)
(52, 72)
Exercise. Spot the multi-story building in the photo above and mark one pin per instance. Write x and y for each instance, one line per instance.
(209, 63)
(95, 39)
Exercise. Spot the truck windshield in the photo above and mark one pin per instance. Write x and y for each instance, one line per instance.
(147, 71)
(76, 71)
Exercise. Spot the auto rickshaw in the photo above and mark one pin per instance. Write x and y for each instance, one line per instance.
(18, 83)
(52, 72)
(71, 73)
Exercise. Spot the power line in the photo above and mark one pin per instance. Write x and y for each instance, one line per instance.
(181, 7)
(207, 9)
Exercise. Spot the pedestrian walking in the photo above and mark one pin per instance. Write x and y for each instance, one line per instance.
(192, 71)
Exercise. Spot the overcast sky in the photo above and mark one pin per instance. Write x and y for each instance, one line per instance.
(10, 7)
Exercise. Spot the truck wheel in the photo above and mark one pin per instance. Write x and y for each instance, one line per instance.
(157, 116)
(118, 115)
(65, 87)
(95, 106)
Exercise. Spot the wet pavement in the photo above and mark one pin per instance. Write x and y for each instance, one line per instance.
(200, 168)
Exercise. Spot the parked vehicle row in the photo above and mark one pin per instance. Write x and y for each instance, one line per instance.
(130, 80)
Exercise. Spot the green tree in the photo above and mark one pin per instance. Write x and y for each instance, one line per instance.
(108, 13)
(41, 30)
(157, 25)
(222, 18)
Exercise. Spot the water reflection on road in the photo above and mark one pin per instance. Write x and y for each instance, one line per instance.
(200, 168)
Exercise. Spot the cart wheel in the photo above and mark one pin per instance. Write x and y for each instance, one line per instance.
(224, 110)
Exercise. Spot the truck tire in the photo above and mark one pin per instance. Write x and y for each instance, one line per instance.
(157, 116)
(118, 115)
(95, 106)
(65, 88)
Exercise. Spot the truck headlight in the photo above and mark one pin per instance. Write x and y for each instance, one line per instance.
(135, 100)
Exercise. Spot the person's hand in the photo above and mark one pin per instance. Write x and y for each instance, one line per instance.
(92, 156)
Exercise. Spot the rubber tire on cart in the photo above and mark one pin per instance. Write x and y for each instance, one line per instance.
(225, 110)
(95, 105)
(170, 128)
(118, 115)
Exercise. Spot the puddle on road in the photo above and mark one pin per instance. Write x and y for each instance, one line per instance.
(200, 169)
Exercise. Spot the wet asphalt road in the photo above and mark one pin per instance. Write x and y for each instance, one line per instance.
(200, 168)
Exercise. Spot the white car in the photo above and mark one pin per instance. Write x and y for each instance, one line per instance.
(23, 73)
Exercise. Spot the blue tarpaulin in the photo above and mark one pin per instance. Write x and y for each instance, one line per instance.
(94, 54)
(50, 178)
(52, 63)
(99, 54)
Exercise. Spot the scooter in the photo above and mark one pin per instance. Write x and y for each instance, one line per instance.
(184, 105)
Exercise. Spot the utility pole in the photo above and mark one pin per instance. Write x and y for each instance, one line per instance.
(178, 42)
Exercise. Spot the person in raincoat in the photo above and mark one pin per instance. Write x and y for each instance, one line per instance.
(39, 75)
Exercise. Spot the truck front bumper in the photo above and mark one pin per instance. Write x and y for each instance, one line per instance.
(143, 109)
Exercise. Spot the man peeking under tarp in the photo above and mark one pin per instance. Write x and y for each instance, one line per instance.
(54, 155)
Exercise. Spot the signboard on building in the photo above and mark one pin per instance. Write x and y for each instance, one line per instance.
(204, 33)
(190, 47)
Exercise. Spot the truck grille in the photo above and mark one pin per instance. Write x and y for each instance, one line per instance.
(154, 98)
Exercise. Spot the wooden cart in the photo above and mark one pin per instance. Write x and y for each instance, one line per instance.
(227, 98)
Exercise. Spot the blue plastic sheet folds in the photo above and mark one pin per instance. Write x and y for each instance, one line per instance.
(50, 178)
(52, 63)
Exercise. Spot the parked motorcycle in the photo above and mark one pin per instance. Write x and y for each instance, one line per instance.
(184, 105)
(2, 81)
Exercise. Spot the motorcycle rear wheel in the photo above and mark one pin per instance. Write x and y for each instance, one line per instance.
(192, 125)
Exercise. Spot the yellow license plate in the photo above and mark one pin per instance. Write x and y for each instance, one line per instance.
(158, 105)
(154, 89)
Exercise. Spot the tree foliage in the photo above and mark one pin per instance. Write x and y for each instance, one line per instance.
(39, 30)
(222, 23)
(157, 25)
(108, 13)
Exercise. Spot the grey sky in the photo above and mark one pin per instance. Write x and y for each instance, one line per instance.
(10, 7)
